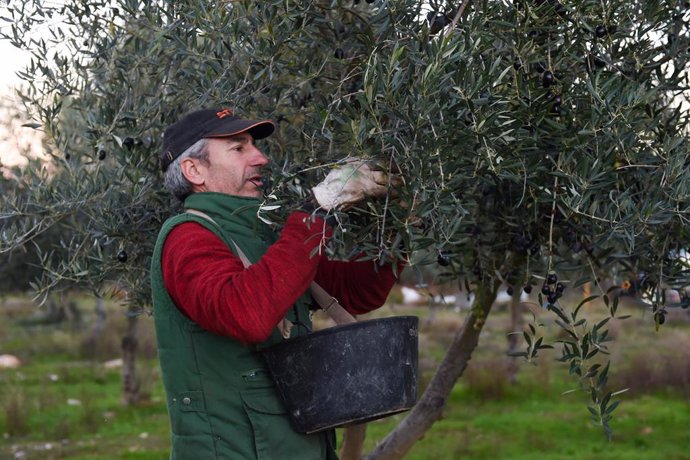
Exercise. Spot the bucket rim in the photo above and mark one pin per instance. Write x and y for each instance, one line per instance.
(340, 328)
(315, 428)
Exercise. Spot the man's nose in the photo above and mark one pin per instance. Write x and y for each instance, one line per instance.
(259, 158)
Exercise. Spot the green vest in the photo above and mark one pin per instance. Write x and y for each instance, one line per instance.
(221, 402)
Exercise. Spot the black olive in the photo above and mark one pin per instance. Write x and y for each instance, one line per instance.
(661, 316)
(122, 256)
(443, 259)
(595, 61)
(437, 22)
(560, 9)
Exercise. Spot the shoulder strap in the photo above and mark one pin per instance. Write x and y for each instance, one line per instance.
(240, 253)
(330, 305)
(327, 303)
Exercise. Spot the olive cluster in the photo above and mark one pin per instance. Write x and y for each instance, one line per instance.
(552, 289)
(527, 288)
(556, 99)
(549, 79)
(128, 142)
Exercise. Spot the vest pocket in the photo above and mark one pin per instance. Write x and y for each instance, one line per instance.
(188, 413)
(274, 437)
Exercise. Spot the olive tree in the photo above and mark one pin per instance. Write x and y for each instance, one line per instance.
(542, 143)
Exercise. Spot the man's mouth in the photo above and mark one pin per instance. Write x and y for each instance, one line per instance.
(257, 180)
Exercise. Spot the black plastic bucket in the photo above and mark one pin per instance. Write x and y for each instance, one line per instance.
(347, 374)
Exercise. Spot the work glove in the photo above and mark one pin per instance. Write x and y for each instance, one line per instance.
(352, 182)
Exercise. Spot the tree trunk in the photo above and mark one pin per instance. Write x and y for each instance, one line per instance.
(353, 442)
(514, 335)
(430, 406)
(130, 379)
(101, 315)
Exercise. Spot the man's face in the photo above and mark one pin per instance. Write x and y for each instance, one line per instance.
(234, 166)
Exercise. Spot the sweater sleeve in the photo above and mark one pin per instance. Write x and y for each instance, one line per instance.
(359, 286)
(209, 284)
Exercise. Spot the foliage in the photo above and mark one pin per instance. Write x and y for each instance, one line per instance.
(536, 138)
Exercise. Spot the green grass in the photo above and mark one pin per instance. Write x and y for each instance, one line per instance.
(64, 404)
(530, 425)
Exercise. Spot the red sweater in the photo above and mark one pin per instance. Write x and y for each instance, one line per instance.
(210, 285)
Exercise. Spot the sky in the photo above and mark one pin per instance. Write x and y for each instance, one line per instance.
(13, 138)
(12, 61)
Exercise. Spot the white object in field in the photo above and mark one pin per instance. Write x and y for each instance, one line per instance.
(113, 364)
(9, 362)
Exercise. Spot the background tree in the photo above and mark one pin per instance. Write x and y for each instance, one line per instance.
(543, 144)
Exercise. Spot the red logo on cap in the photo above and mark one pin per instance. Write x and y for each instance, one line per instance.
(224, 113)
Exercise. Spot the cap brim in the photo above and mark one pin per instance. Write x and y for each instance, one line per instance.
(258, 129)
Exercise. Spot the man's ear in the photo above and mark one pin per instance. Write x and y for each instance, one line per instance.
(192, 172)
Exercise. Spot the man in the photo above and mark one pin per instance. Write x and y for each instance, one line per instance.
(213, 314)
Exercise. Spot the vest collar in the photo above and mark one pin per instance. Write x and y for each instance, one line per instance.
(235, 214)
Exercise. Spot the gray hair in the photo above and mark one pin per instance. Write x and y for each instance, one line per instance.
(174, 180)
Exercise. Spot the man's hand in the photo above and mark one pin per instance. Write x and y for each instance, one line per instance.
(352, 182)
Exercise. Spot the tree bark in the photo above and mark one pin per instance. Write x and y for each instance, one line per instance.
(430, 406)
(353, 442)
(130, 379)
(514, 334)
(101, 315)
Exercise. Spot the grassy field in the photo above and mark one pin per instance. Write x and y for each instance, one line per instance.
(64, 401)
